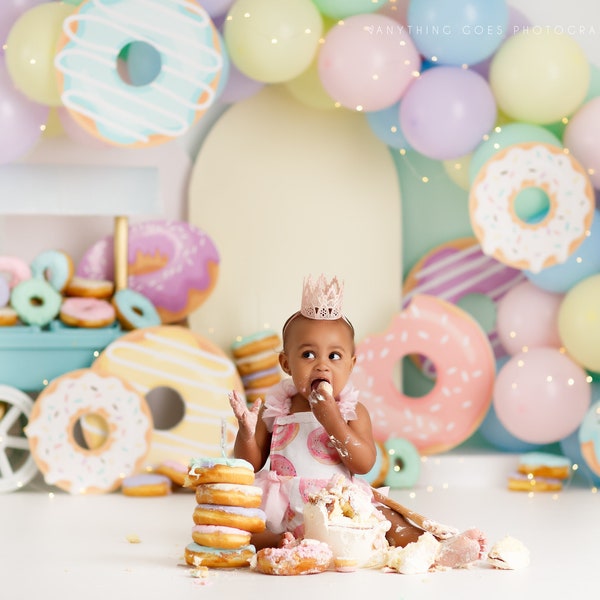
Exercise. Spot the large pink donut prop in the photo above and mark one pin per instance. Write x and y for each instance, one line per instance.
(465, 367)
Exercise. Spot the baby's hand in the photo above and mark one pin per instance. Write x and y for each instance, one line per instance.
(320, 397)
(247, 417)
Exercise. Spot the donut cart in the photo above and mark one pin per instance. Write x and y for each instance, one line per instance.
(30, 356)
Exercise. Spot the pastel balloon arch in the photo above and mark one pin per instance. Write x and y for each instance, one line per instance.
(452, 82)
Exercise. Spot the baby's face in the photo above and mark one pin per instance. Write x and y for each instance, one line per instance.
(316, 351)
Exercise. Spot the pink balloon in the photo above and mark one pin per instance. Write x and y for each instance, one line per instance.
(527, 317)
(367, 62)
(446, 112)
(21, 120)
(541, 396)
(582, 137)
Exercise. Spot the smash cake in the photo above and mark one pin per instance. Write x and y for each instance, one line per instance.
(343, 516)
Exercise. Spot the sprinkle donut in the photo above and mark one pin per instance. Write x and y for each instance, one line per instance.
(172, 263)
(465, 367)
(17, 407)
(198, 372)
(492, 206)
(455, 270)
(122, 114)
(56, 411)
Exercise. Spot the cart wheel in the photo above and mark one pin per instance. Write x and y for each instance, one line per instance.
(17, 466)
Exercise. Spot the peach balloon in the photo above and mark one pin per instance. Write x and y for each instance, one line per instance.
(582, 138)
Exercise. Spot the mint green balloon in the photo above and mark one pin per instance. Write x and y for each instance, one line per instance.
(340, 9)
(594, 88)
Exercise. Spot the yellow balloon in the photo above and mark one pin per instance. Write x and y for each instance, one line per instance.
(30, 49)
(579, 323)
(53, 127)
(270, 40)
(457, 170)
(539, 76)
(308, 89)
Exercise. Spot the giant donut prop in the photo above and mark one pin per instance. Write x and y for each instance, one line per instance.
(119, 113)
(465, 367)
(457, 269)
(492, 206)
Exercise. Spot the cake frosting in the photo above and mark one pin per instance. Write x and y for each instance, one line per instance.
(415, 557)
(508, 553)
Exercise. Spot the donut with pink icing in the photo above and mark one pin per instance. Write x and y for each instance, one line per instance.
(172, 263)
(15, 269)
(87, 312)
(319, 445)
(282, 436)
(465, 367)
(282, 466)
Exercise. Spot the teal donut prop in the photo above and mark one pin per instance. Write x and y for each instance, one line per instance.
(134, 310)
(376, 476)
(35, 301)
(405, 463)
(55, 267)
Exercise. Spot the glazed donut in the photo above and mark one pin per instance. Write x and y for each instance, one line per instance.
(18, 465)
(376, 476)
(256, 343)
(8, 316)
(297, 557)
(105, 105)
(59, 407)
(55, 266)
(518, 482)
(90, 288)
(589, 437)
(198, 371)
(229, 494)
(219, 470)
(218, 558)
(134, 310)
(172, 263)
(465, 366)
(220, 536)
(455, 270)
(87, 312)
(405, 463)
(175, 471)
(544, 464)
(492, 206)
(35, 301)
(248, 519)
(15, 268)
(146, 484)
(4, 292)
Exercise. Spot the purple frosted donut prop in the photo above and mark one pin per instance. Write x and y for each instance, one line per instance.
(174, 264)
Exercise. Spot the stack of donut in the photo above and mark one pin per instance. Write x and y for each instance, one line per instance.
(226, 515)
(47, 289)
(257, 360)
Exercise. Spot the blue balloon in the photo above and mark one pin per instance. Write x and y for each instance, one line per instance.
(385, 124)
(583, 263)
(457, 32)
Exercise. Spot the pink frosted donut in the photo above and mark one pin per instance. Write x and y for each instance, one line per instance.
(457, 269)
(172, 263)
(87, 312)
(282, 436)
(282, 466)
(15, 268)
(465, 367)
(320, 447)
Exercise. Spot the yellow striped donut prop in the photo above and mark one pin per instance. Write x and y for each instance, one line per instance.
(179, 36)
(494, 193)
(58, 409)
(199, 377)
(465, 367)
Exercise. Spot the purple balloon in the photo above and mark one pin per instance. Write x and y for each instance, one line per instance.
(446, 112)
(21, 120)
(239, 86)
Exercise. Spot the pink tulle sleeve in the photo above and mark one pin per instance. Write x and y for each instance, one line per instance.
(278, 401)
(348, 400)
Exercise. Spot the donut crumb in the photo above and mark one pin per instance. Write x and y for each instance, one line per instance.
(133, 539)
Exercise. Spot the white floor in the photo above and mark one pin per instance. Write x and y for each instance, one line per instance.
(79, 546)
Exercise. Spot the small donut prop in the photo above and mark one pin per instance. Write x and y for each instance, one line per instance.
(172, 263)
(457, 269)
(100, 99)
(35, 301)
(492, 206)
(174, 358)
(465, 367)
(405, 463)
(17, 465)
(51, 432)
(15, 269)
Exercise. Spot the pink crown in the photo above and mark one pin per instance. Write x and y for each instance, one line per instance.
(322, 299)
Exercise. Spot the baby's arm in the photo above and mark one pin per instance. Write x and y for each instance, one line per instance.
(353, 439)
(251, 441)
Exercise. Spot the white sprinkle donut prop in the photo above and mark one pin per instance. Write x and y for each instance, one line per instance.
(458, 269)
(465, 367)
(98, 97)
(51, 432)
(55, 266)
(589, 437)
(405, 463)
(17, 465)
(35, 301)
(174, 358)
(15, 268)
(174, 264)
(492, 206)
